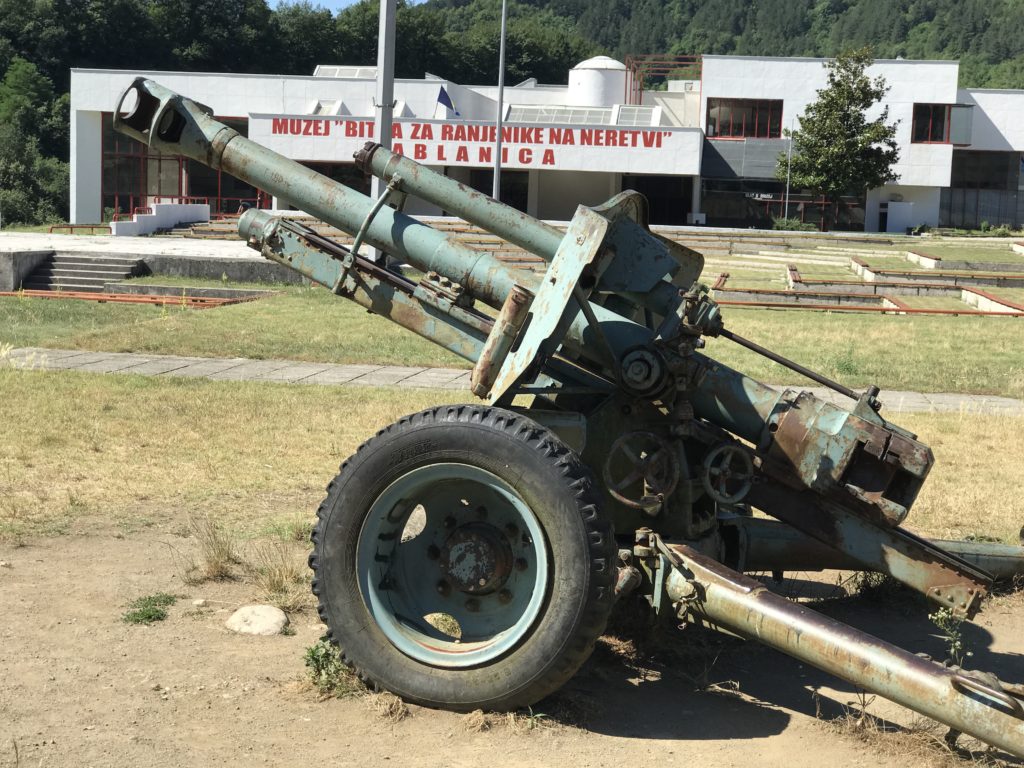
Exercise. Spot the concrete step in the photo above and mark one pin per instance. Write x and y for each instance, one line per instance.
(84, 271)
(77, 258)
(91, 265)
(60, 279)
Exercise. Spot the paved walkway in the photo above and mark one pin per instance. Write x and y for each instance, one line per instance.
(298, 372)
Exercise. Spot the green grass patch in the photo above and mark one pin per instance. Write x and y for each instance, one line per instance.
(301, 323)
(959, 251)
(981, 355)
(146, 610)
(934, 302)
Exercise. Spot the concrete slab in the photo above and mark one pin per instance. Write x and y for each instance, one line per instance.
(432, 378)
(387, 376)
(114, 363)
(341, 374)
(71, 362)
(161, 365)
(293, 372)
(250, 370)
(206, 367)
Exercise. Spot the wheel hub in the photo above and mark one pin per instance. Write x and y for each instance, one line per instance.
(476, 559)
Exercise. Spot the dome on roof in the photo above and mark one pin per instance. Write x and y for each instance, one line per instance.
(600, 62)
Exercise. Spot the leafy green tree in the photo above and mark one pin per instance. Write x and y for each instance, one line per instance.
(305, 36)
(838, 150)
(33, 188)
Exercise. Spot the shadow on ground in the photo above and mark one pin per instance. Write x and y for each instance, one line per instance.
(693, 684)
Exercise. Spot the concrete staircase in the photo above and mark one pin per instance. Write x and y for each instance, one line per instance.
(80, 272)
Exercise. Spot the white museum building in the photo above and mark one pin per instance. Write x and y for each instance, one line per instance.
(703, 146)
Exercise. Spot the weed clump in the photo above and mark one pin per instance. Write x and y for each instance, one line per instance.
(330, 675)
(217, 553)
(146, 610)
(282, 579)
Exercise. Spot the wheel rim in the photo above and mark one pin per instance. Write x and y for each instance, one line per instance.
(453, 565)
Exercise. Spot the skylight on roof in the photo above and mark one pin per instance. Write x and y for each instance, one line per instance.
(559, 115)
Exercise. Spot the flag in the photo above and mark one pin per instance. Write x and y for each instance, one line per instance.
(446, 101)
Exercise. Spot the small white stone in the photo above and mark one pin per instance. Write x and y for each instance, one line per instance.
(200, 603)
(4, 564)
(257, 620)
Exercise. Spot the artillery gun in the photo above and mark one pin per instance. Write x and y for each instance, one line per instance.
(469, 556)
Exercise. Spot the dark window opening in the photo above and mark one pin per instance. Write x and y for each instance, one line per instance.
(931, 124)
(669, 198)
(744, 119)
(515, 186)
(985, 170)
(758, 202)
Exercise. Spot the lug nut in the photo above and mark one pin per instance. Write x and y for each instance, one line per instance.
(444, 588)
(504, 596)
(512, 530)
(433, 552)
(472, 605)
(449, 522)
(520, 564)
(481, 512)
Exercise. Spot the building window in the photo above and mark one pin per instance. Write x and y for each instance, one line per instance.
(744, 119)
(931, 124)
(942, 124)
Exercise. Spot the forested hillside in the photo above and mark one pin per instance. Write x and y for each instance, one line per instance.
(40, 40)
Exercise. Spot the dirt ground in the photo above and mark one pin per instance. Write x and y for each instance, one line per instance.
(82, 688)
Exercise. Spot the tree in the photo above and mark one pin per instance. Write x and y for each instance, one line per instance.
(838, 150)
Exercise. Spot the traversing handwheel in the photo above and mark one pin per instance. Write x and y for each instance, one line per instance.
(637, 456)
(728, 474)
(461, 561)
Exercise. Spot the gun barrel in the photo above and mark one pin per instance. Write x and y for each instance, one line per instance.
(171, 123)
(966, 702)
(508, 223)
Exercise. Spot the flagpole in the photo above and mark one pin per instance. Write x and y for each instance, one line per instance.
(384, 95)
(496, 189)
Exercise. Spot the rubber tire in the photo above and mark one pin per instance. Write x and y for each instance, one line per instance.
(554, 483)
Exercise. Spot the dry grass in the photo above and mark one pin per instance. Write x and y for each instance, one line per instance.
(109, 450)
(217, 552)
(477, 721)
(388, 706)
(921, 743)
(974, 488)
(279, 573)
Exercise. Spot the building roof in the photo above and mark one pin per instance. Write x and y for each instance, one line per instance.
(600, 62)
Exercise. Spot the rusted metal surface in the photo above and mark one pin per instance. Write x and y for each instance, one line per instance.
(188, 302)
(954, 583)
(72, 228)
(507, 326)
(760, 544)
(980, 706)
(606, 342)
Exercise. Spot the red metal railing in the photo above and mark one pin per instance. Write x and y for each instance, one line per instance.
(644, 68)
(72, 228)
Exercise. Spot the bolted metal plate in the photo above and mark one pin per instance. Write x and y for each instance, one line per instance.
(550, 314)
